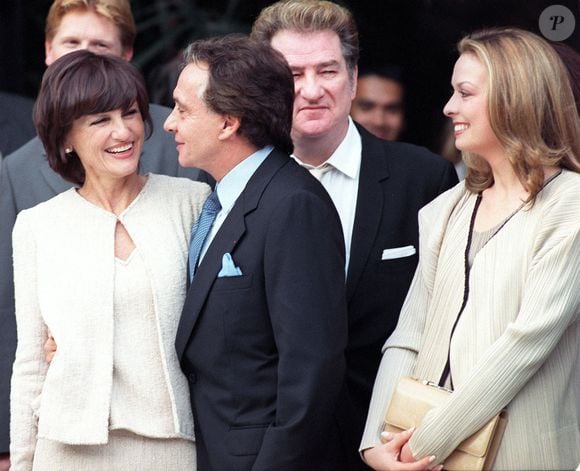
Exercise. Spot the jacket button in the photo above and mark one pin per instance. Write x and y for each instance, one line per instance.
(192, 378)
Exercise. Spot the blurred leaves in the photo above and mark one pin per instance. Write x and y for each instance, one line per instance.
(165, 27)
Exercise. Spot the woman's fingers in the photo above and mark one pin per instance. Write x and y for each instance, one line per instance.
(49, 349)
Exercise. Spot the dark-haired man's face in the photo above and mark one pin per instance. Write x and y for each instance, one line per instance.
(85, 30)
(196, 128)
(378, 106)
(323, 86)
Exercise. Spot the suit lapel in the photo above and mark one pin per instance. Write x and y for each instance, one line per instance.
(226, 239)
(369, 208)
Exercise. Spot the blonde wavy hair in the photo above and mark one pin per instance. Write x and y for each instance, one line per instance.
(531, 107)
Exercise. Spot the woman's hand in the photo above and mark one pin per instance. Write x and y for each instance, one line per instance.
(385, 457)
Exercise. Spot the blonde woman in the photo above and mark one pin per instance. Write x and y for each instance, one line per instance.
(494, 306)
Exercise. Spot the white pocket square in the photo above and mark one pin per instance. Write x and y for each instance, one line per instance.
(229, 267)
(398, 252)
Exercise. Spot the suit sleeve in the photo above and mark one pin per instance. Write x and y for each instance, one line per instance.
(7, 319)
(304, 272)
(29, 366)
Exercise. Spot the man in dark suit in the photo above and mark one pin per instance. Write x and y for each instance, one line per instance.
(106, 26)
(263, 328)
(377, 186)
(379, 104)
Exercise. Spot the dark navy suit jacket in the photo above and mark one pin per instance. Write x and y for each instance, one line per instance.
(264, 351)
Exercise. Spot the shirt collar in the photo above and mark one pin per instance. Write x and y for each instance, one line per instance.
(231, 186)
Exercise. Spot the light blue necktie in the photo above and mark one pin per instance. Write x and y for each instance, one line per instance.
(200, 230)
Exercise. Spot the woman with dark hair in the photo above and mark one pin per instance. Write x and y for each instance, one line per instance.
(102, 267)
(493, 310)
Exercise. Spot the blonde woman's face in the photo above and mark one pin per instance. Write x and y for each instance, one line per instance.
(468, 108)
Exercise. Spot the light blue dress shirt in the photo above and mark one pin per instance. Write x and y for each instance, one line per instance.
(230, 188)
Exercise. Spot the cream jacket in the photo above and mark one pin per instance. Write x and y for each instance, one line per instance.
(64, 277)
(517, 341)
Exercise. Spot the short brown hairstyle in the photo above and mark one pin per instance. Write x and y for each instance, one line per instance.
(530, 106)
(78, 84)
(251, 81)
(310, 16)
(117, 11)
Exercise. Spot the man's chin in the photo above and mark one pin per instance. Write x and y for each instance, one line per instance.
(387, 136)
(312, 130)
(183, 160)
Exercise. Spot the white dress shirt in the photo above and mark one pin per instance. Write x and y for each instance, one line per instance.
(341, 181)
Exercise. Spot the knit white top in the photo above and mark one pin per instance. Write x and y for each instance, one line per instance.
(140, 400)
(64, 266)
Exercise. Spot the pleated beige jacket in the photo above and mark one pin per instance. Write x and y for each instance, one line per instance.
(517, 341)
(64, 264)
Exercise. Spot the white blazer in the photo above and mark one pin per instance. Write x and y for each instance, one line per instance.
(64, 262)
(517, 342)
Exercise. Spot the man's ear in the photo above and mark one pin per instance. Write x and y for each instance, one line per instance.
(231, 124)
(127, 53)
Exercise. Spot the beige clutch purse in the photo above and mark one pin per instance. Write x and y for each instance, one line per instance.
(413, 398)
